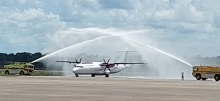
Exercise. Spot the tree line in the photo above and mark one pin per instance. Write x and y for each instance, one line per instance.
(29, 57)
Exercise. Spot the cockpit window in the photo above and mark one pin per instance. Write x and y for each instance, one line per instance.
(194, 68)
(79, 66)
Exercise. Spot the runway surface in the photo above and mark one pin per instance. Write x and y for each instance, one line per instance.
(29, 88)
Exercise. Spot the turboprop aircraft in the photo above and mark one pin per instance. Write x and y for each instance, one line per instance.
(101, 68)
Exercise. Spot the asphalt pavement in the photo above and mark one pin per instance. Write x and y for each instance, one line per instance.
(58, 88)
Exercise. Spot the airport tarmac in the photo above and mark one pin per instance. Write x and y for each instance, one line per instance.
(58, 88)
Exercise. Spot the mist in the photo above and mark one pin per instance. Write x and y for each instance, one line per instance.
(94, 44)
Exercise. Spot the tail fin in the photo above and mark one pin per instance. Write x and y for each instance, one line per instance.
(123, 58)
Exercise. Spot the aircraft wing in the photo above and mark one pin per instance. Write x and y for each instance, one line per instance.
(69, 61)
(129, 63)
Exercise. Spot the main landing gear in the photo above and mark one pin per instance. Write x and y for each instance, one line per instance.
(93, 75)
(106, 75)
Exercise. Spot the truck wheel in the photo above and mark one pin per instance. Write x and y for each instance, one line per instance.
(21, 73)
(198, 76)
(216, 77)
(204, 79)
(7, 72)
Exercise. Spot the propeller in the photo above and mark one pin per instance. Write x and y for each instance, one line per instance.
(107, 66)
(79, 60)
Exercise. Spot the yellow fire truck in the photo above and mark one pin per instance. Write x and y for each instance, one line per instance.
(205, 72)
(21, 68)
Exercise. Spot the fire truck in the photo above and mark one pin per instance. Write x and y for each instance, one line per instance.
(21, 68)
(205, 72)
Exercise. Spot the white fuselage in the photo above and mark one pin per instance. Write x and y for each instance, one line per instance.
(95, 68)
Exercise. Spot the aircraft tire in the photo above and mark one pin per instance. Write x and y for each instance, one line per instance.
(92, 75)
(106, 75)
(76, 75)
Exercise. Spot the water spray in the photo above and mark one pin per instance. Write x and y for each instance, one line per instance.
(159, 51)
(110, 33)
(84, 42)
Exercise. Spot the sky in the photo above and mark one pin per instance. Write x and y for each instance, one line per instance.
(181, 27)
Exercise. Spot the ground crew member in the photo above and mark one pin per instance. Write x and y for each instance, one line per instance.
(182, 76)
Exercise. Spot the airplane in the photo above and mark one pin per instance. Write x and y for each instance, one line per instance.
(101, 68)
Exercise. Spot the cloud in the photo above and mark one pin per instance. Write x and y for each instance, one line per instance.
(115, 4)
(181, 27)
(24, 30)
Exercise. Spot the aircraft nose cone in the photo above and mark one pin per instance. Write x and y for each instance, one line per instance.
(75, 69)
